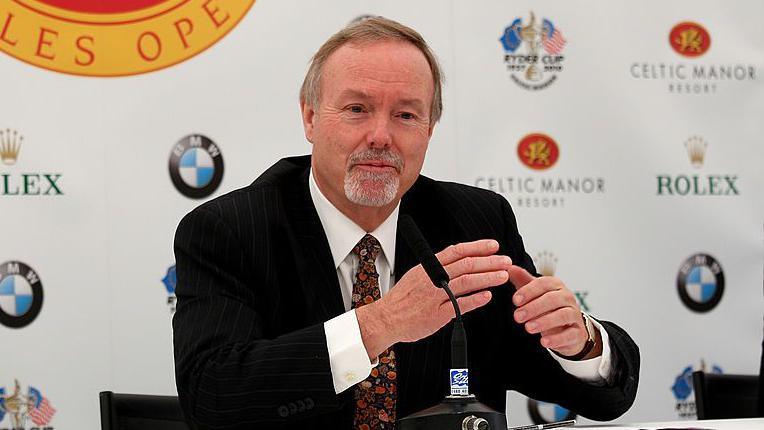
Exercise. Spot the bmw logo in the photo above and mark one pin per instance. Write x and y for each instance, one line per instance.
(544, 413)
(20, 294)
(196, 166)
(700, 282)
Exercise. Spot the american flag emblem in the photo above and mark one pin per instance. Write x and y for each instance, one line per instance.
(552, 38)
(41, 412)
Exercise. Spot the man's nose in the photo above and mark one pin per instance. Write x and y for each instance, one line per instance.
(379, 136)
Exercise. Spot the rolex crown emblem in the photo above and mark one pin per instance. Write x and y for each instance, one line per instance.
(10, 145)
(696, 150)
(546, 263)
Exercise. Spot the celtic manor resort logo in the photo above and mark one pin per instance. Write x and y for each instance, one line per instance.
(688, 73)
(196, 166)
(20, 294)
(544, 413)
(533, 52)
(700, 283)
(539, 188)
(17, 408)
(114, 38)
(689, 39)
(538, 151)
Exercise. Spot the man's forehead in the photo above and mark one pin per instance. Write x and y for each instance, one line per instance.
(386, 62)
(387, 54)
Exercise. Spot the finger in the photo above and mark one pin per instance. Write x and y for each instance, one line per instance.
(520, 277)
(472, 282)
(560, 318)
(466, 304)
(562, 340)
(536, 288)
(488, 263)
(549, 302)
(467, 249)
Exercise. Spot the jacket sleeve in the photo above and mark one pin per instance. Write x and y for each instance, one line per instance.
(547, 381)
(228, 373)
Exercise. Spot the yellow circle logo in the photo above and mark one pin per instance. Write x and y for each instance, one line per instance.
(114, 38)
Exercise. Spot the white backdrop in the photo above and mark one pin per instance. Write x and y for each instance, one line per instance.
(103, 246)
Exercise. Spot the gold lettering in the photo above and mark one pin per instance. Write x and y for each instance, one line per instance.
(211, 14)
(43, 41)
(181, 33)
(90, 55)
(157, 42)
(5, 31)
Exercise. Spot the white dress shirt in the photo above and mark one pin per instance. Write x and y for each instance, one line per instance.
(348, 358)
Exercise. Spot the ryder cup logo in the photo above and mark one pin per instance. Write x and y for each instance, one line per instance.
(700, 283)
(20, 294)
(196, 166)
(460, 382)
(532, 52)
(16, 408)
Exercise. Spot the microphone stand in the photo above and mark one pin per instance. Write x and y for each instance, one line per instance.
(460, 410)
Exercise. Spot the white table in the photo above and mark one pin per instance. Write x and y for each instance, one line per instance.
(736, 424)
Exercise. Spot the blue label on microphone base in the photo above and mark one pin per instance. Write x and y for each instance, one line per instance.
(460, 382)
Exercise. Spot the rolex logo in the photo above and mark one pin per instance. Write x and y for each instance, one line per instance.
(10, 145)
(696, 150)
(546, 263)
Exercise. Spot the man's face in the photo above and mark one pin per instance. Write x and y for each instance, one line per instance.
(372, 126)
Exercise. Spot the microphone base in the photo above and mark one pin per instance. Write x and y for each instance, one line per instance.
(450, 414)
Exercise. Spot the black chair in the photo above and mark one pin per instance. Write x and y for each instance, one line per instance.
(140, 412)
(720, 396)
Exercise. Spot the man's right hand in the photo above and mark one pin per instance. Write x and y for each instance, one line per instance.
(415, 308)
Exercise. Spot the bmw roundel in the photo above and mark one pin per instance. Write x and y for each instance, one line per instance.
(700, 282)
(20, 294)
(196, 166)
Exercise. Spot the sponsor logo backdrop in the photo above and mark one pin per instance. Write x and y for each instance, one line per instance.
(626, 136)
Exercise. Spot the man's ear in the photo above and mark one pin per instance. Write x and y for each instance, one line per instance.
(430, 130)
(308, 116)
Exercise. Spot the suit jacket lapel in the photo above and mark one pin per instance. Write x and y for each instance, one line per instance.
(313, 258)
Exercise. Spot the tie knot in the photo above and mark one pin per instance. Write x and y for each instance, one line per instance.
(367, 248)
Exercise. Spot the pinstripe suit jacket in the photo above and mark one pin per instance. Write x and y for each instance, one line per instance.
(256, 281)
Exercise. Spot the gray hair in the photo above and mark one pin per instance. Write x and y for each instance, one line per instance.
(372, 29)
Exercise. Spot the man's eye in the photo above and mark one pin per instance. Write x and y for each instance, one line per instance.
(356, 109)
(407, 115)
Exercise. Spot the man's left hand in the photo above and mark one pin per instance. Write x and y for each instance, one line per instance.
(546, 306)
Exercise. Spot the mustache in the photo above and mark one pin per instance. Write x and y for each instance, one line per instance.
(374, 154)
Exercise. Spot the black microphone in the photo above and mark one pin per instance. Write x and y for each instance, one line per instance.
(460, 410)
(423, 252)
(439, 278)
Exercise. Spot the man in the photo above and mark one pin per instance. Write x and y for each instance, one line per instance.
(299, 306)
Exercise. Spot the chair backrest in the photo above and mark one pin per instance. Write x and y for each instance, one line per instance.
(720, 396)
(140, 412)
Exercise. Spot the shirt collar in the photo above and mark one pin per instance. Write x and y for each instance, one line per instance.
(343, 234)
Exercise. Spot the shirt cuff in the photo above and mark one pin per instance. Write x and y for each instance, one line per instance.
(348, 358)
(594, 370)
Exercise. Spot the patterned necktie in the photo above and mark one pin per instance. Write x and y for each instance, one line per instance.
(375, 396)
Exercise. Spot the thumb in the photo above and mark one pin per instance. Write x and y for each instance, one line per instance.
(519, 276)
